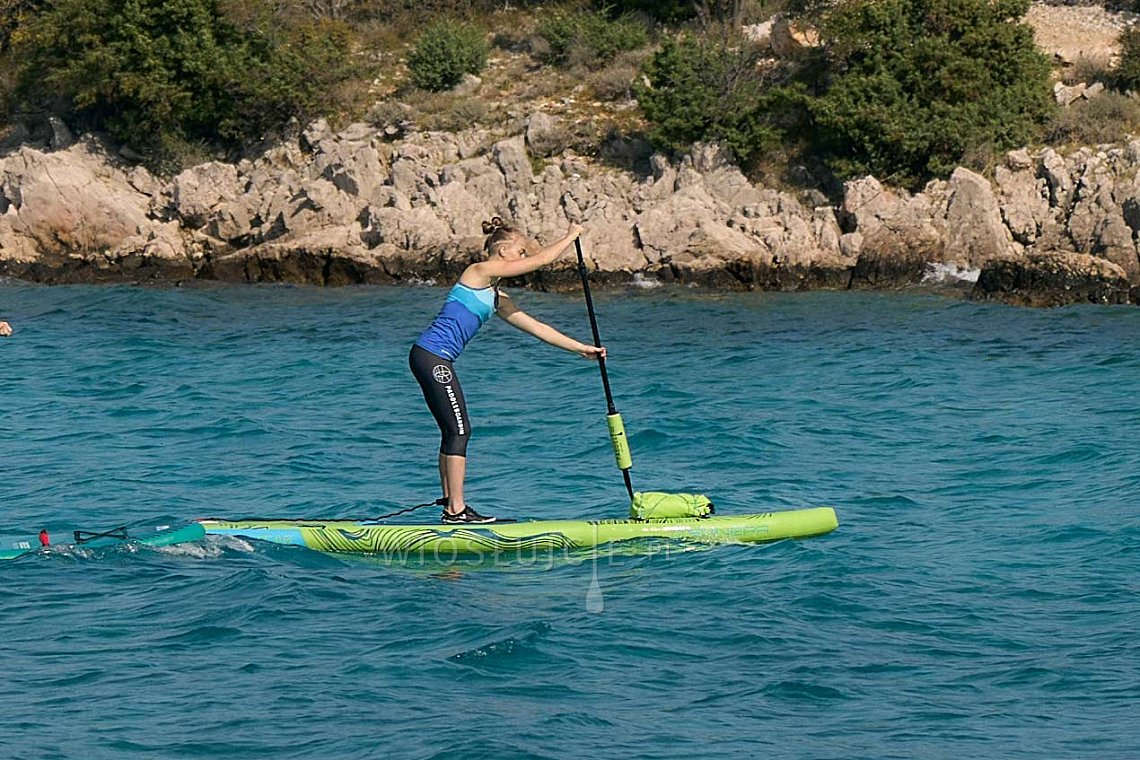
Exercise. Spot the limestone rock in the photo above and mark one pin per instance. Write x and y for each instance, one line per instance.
(468, 85)
(1053, 279)
(1066, 95)
(899, 235)
(545, 135)
(789, 37)
(1023, 198)
(61, 137)
(975, 232)
(1096, 223)
(69, 201)
(197, 192)
(760, 34)
(335, 207)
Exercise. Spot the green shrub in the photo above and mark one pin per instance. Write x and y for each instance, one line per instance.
(589, 38)
(662, 10)
(1086, 70)
(446, 112)
(903, 89)
(159, 75)
(614, 83)
(292, 71)
(914, 86)
(705, 89)
(444, 53)
(1109, 117)
(731, 12)
(1128, 70)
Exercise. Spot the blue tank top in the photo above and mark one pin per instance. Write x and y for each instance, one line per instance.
(464, 311)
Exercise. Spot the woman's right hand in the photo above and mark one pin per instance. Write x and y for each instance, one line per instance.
(5, 329)
(573, 231)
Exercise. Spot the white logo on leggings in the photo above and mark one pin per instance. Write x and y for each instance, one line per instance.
(441, 374)
(456, 411)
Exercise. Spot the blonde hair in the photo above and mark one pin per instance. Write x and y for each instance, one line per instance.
(498, 232)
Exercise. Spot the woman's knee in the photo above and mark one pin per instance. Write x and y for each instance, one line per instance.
(455, 444)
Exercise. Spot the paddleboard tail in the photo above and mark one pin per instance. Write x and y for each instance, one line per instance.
(163, 535)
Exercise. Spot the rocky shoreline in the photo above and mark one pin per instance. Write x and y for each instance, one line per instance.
(362, 206)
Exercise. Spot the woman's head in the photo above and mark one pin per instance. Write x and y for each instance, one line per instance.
(503, 240)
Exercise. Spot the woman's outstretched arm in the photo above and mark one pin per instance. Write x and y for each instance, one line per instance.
(516, 317)
(485, 271)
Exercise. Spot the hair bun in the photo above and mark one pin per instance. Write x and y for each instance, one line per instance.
(494, 225)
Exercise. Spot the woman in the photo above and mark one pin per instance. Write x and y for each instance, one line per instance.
(469, 304)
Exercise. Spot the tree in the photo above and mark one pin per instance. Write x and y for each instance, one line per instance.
(1127, 75)
(706, 11)
(914, 87)
(663, 10)
(708, 88)
(158, 74)
(444, 53)
(11, 12)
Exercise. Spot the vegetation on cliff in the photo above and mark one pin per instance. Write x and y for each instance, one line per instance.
(164, 75)
(914, 88)
(903, 89)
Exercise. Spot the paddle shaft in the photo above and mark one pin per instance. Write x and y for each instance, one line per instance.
(613, 418)
(594, 327)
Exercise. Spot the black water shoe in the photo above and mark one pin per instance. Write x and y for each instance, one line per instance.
(467, 517)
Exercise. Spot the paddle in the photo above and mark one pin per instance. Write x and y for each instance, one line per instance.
(613, 419)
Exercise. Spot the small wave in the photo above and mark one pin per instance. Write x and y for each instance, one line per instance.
(803, 691)
(949, 274)
(577, 719)
(202, 634)
(506, 650)
(197, 550)
(227, 543)
(485, 746)
(641, 281)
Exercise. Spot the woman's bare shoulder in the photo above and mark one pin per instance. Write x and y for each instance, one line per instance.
(475, 275)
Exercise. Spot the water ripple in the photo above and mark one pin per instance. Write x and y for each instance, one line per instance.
(979, 598)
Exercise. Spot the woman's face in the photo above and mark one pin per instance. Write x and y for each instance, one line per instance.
(517, 247)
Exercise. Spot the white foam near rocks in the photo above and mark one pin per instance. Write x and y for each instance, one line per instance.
(949, 274)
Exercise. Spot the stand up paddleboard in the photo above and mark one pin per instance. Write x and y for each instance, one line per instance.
(523, 539)
(160, 536)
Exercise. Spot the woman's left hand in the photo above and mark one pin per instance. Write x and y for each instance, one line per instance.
(592, 352)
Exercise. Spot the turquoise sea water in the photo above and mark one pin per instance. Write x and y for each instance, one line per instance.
(978, 600)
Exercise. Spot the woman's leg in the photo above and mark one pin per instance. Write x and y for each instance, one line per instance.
(450, 470)
(444, 397)
(455, 469)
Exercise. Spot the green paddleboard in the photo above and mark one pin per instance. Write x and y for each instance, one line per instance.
(523, 539)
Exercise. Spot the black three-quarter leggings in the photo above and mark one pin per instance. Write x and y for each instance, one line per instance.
(444, 397)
